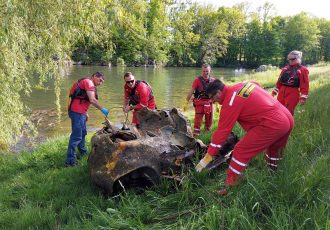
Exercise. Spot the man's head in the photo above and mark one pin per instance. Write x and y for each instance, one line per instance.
(98, 78)
(215, 89)
(294, 57)
(129, 79)
(206, 70)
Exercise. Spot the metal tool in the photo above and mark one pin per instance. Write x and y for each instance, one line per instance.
(125, 126)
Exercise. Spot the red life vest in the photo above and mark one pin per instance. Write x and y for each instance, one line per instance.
(80, 93)
(134, 99)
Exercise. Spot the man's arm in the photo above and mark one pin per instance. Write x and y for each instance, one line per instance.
(304, 85)
(189, 95)
(93, 100)
(143, 93)
(277, 86)
(126, 106)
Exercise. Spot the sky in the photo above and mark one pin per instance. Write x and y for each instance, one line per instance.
(316, 8)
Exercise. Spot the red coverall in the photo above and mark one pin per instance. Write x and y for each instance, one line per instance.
(267, 123)
(203, 106)
(289, 96)
(141, 96)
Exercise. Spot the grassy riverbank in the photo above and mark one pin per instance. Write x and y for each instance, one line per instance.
(37, 192)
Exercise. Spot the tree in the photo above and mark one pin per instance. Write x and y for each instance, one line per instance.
(273, 41)
(157, 44)
(213, 34)
(235, 19)
(36, 37)
(183, 40)
(302, 33)
(127, 23)
(324, 27)
(254, 42)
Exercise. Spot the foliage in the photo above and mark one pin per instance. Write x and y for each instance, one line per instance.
(94, 44)
(35, 40)
(157, 45)
(324, 26)
(184, 41)
(127, 20)
(302, 33)
(213, 34)
(254, 42)
(235, 20)
(38, 192)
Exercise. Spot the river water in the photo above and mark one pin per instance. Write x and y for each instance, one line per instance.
(170, 87)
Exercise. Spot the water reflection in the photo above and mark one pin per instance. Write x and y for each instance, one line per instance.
(170, 86)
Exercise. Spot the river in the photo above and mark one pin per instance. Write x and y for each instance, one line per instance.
(170, 86)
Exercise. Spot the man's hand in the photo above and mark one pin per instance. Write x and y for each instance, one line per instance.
(127, 108)
(302, 100)
(105, 111)
(87, 117)
(275, 92)
(204, 162)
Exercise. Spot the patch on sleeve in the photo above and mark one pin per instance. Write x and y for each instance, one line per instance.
(246, 90)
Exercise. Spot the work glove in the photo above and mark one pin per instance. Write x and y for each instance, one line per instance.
(185, 106)
(204, 162)
(275, 92)
(105, 111)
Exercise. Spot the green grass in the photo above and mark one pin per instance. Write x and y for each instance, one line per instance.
(37, 192)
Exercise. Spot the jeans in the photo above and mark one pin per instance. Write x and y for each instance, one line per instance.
(77, 137)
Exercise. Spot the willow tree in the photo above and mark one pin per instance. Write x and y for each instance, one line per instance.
(35, 38)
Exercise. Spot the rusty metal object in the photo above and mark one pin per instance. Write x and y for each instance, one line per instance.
(160, 147)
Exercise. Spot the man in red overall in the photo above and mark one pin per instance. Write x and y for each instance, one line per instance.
(202, 103)
(266, 121)
(293, 83)
(138, 94)
(82, 94)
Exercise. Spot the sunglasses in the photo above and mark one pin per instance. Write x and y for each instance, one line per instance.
(292, 59)
(129, 82)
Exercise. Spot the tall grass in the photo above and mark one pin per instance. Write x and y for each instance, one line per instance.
(38, 192)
